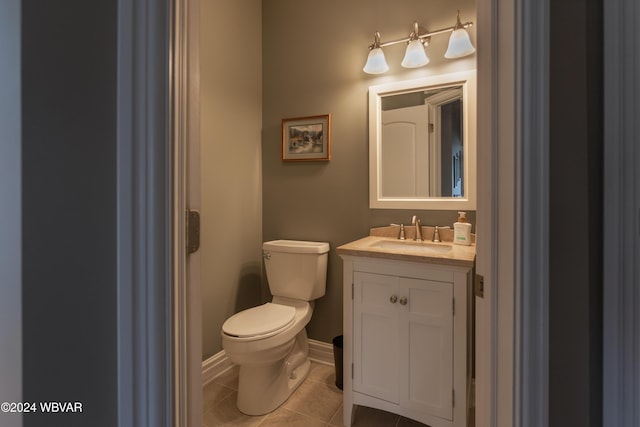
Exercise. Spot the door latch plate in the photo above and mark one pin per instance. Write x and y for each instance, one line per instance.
(479, 286)
(193, 231)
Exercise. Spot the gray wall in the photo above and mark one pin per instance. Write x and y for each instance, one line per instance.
(10, 209)
(69, 209)
(313, 54)
(230, 162)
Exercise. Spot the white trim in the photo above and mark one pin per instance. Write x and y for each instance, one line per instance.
(144, 243)
(504, 183)
(321, 352)
(215, 366)
(184, 124)
(219, 363)
(486, 256)
(487, 213)
(467, 79)
(621, 327)
(511, 331)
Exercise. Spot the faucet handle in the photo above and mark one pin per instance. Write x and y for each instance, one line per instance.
(436, 235)
(436, 232)
(400, 232)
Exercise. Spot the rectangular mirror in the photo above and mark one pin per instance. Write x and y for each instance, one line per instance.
(422, 143)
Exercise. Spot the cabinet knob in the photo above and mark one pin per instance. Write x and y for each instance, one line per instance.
(403, 301)
(393, 299)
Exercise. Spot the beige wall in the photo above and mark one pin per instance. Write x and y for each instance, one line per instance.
(313, 54)
(231, 117)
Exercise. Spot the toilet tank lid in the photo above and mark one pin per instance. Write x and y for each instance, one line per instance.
(296, 246)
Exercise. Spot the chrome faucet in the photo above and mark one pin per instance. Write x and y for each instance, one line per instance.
(415, 221)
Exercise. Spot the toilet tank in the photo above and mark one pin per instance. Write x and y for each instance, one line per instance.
(296, 269)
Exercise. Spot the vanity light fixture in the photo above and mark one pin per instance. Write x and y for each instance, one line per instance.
(415, 55)
(459, 42)
(376, 63)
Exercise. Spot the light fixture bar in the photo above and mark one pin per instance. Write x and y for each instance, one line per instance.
(415, 53)
(420, 36)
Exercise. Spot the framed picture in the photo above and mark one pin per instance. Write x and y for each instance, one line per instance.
(306, 138)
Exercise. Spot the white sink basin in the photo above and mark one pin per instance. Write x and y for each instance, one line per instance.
(412, 246)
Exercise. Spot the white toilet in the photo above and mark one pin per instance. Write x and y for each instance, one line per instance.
(269, 342)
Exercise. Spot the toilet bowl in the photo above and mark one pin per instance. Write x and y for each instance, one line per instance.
(269, 342)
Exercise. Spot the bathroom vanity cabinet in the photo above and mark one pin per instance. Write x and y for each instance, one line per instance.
(407, 337)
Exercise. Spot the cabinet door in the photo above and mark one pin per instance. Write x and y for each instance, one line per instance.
(375, 331)
(426, 322)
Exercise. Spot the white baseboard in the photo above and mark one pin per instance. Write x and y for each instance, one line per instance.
(215, 366)
(319, 352)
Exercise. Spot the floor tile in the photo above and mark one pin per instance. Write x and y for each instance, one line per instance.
(322, 373)
(229, 378)
(316, 403)
(315, 399)
(226, 413)
(214, 393)
(285, 417)
(336, 421)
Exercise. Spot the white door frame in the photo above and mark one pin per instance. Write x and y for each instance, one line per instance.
(512, 318)
(515, 350)
(185, 178)
(159, 357)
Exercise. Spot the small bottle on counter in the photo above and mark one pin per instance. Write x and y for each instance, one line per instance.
(462, 230)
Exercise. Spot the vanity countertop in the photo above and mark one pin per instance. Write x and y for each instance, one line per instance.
(379, 244)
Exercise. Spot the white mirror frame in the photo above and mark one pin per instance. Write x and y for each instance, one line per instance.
(466, 79)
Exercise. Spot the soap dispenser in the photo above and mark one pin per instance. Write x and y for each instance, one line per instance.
(462, 230)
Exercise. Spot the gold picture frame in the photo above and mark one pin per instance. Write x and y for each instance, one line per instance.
(306, 139)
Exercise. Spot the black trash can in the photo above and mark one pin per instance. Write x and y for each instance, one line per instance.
(337, 359)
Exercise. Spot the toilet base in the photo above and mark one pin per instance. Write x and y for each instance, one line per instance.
(263, 388)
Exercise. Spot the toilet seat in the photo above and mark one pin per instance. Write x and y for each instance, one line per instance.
(260, 322)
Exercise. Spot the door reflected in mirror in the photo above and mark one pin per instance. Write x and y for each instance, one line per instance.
(422, 143)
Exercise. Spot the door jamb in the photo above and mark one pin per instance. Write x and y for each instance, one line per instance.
(185, 180)
(144, 216)
(512, 214)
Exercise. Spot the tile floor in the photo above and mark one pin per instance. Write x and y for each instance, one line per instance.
(316, 403)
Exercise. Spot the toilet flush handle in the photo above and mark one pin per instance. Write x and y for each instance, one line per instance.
(266, 255)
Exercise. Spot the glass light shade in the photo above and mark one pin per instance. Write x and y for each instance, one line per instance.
(415, 56)
(459, 44)
(376, 63)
